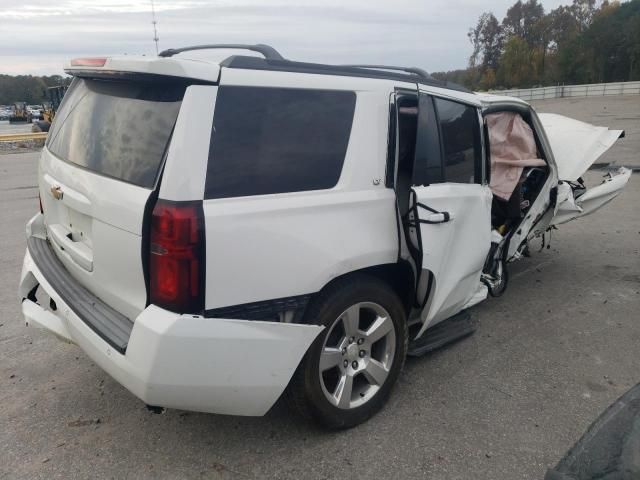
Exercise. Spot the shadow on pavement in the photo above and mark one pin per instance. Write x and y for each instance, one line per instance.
(610, 450)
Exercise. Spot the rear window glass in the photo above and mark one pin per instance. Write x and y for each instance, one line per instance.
(117, 129)
(276, 140)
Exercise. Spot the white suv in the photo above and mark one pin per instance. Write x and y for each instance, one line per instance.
(213, 235)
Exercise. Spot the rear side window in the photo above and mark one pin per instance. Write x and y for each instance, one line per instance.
(461, 142)
(117, 129)
(277, 140)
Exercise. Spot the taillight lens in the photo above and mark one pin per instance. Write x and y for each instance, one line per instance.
(88, 62)
(176, 266)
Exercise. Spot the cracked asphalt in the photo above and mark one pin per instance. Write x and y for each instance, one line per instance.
(506, 403)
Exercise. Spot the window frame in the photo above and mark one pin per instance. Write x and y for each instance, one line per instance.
(439, 146)
(479, 167)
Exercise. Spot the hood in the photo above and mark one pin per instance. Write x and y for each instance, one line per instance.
(576, 145)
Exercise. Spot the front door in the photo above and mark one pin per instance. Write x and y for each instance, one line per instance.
(450, 215)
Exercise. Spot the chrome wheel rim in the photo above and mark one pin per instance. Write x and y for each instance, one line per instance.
(357, 355)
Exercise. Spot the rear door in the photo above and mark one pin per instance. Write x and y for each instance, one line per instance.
(451, 204)
(101, 163)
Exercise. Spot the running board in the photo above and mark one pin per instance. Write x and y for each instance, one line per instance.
(445, 332)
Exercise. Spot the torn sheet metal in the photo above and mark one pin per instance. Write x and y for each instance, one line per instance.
(567, 208)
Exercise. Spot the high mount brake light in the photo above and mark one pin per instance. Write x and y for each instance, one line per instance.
(176, 266)
(88, 62)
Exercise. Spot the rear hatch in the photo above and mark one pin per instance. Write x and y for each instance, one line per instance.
(97, 174)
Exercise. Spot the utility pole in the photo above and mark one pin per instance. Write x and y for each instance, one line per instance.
(155, 23)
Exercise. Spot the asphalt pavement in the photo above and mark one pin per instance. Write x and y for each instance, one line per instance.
(506, 403)
(7, 128)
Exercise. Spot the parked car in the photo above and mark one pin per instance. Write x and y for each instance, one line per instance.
(5, 113)
(35, 111)
(315, 226)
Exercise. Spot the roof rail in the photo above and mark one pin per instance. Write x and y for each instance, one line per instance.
(267, 51)
(416, 71)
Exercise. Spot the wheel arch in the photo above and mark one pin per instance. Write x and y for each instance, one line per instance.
(399, 276)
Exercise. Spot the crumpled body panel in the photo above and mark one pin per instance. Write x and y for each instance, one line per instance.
(576, 145)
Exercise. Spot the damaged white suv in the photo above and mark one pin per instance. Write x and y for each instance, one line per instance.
(215, 234)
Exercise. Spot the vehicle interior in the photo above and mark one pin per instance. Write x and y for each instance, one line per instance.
(517, 163)
(518, 167)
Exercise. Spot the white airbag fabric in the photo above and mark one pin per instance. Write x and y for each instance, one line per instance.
(513, 147)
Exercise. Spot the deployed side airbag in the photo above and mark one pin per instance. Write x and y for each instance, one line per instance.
(513, 147)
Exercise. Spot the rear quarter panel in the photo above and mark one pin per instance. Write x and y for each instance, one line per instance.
(275, 246)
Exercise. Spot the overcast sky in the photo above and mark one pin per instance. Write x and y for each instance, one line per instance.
(37, 36)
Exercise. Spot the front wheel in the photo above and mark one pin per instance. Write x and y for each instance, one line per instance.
(349, 371)
(501, 275)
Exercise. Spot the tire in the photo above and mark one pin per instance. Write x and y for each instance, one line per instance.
(497, 290)
(319, 395)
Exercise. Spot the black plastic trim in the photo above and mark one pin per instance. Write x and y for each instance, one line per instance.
(152, 199)
(257, 63)
(391, 145)
(448, 331)
(267, 310)
(119, 75)
(266, 50)
(416, 71)
(113, 327)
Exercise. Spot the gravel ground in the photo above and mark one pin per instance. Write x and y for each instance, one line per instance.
(17, 147)
(506, 403)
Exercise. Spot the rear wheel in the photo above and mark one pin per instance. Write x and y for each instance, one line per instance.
(349, 371)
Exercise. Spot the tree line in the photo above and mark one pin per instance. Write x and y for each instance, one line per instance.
(574, 44)
(28, 88)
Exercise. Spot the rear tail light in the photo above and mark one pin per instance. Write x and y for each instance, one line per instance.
(176, 266)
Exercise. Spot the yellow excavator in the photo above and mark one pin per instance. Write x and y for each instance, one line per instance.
(20, 114)
(55, 95)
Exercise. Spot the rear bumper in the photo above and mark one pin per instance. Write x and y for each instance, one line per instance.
(188, 362)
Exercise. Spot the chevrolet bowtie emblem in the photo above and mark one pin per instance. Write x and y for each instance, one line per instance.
(56, 191)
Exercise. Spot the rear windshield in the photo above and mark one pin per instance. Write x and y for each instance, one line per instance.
(276, 140)
(117, 129)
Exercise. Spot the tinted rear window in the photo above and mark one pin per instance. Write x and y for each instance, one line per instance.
(117, 129)
(276, 140)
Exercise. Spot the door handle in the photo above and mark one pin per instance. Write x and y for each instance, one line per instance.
(433, 218)
(440, 217)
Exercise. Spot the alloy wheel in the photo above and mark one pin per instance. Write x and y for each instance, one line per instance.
(357, 355)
